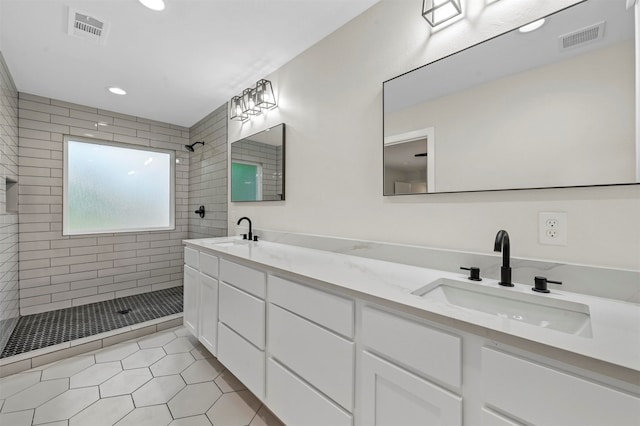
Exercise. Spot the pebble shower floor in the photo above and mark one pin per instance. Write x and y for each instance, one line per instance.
(51, 328)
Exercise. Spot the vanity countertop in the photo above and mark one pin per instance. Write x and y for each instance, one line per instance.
(615, 325)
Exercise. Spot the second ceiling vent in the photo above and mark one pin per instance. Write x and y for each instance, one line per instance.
(88, 27)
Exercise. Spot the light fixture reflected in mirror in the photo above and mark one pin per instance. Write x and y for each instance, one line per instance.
(438, 11)
(532, 26)
(252, 101)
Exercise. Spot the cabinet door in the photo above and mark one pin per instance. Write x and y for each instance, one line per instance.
(190, 302)
(391, 396)
(208, 324)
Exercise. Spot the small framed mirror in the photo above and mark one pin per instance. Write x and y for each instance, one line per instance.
(257, 166)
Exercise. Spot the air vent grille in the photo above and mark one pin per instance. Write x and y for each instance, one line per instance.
(590, 34)
(85, 26)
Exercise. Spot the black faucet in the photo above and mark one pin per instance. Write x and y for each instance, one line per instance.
(250, 234)
(502, 244)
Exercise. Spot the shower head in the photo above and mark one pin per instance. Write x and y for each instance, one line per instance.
(190, 147)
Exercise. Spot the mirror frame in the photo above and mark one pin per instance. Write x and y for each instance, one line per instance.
(636, 126)
(283, 165)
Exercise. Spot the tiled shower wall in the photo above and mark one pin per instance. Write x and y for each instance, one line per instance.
(208, 176)
(8, 219)
(59, 271)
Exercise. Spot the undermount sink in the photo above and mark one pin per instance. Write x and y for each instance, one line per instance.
(231, 242)
(561, 315)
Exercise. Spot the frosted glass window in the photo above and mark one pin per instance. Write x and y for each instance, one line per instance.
(116, 188)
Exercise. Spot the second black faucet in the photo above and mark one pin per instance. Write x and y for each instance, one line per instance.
(502, 244)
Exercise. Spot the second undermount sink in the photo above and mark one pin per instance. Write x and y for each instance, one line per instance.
(560, 315)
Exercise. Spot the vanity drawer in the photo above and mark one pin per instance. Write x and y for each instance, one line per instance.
(244, 313)
(539, 394)
(209, 264)
(191, 257)
(432, 352)
(322, 358)
(333, 312)
(297, 403)
(244, 278)
(243, 359)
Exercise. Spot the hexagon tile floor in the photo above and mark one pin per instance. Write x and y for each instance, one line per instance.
(166, 378)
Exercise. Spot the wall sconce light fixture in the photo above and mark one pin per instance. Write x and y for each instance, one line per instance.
(249, 102)
(264, 95)
(438, 11)
(252, 101)
(235, 109)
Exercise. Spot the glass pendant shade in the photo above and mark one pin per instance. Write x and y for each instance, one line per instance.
(264, 95)
(249, 101)
(438, 11)
(236, 109)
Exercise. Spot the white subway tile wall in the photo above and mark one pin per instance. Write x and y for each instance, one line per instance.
(9, 305)
(208, 176)
(59, 271)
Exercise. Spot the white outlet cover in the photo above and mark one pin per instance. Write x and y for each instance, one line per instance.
(546, 222)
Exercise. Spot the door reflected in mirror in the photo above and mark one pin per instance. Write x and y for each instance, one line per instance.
(554, 107)
(409, 163)
(257, 166)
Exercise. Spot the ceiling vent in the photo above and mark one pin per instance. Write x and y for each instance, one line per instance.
(587, 35)
(88, 27)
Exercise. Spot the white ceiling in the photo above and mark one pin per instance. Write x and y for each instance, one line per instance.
(177, 65)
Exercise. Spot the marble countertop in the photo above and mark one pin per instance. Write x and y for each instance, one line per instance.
(615, 325)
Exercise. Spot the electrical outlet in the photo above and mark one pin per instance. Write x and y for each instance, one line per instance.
(552, 228)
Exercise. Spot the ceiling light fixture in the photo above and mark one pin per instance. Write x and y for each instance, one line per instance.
(532, 26)
(117, 91)
(156, 5)
(253, 101)
(438, 11)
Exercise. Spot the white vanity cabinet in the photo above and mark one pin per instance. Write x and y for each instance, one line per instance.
(200, 305)
(529, 392)
(190, 300)
(409, 372)
(241, 326)
(190, 290)
(317, 354)
(311, 365)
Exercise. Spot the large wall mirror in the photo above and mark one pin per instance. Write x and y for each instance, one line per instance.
(257, 166)
(554, 107)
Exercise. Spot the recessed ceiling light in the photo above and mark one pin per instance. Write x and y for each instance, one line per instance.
(117, 91)
(156, 5)
(532, 26)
